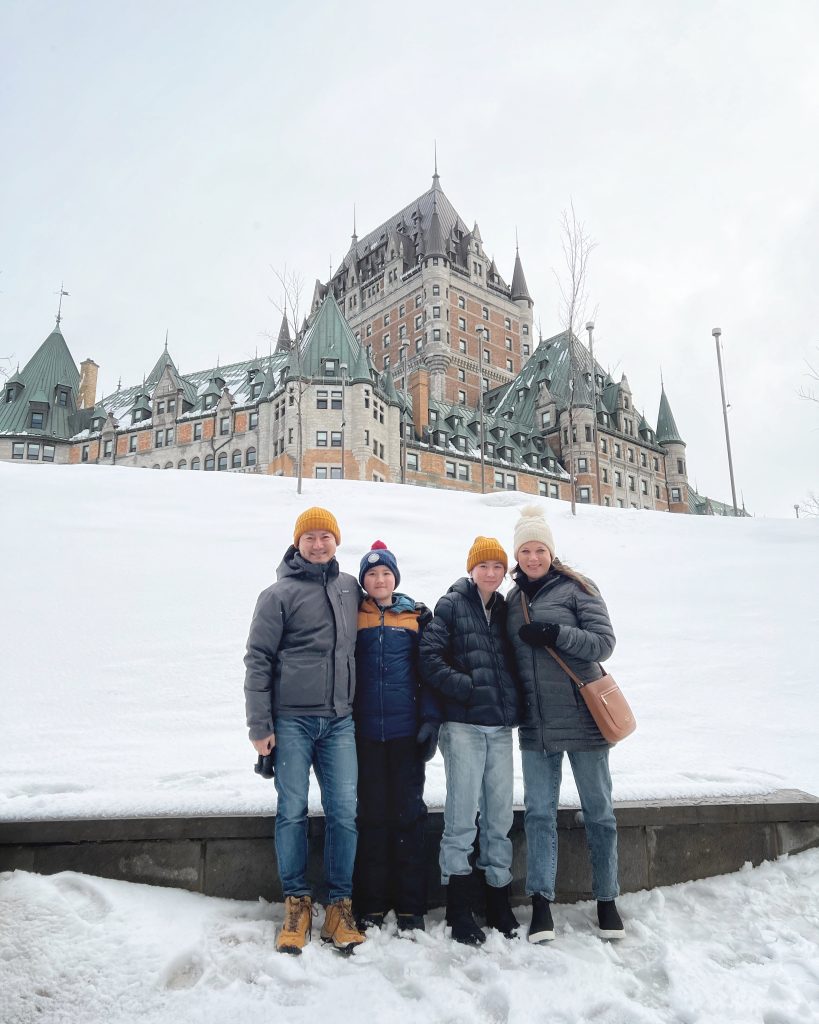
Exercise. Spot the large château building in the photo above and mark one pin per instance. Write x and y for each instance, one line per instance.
(417, 363)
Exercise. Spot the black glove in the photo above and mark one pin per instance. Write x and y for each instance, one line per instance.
(428, 738)
(539, 634)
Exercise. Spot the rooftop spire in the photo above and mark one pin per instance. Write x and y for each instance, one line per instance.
(61, 292)
(355, 236)
(436, 181)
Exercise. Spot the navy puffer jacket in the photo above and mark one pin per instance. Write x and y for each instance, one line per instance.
(556, 717)
(469, 660)
(390, 700)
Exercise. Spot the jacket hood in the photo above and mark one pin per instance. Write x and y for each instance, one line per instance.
(294, 565)
(400, 603)
(467, 588)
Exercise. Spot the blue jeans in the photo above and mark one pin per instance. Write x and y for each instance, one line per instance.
(541, 788)
(478, 768)
(328, 745)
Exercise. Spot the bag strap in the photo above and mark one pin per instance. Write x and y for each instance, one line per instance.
(575, 679)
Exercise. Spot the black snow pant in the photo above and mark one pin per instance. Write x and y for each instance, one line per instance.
(390, 868)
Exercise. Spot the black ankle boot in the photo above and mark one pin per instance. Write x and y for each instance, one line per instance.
(610, 922)
(498, 912)
(542, 927)
(459, 912)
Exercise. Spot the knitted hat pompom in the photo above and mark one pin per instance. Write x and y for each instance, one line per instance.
(379, 554)
(531, 526)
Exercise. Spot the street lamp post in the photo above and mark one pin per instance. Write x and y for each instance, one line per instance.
(402, 448)
(482, 333)
(590, 329)
(716, 335)
(343, 367)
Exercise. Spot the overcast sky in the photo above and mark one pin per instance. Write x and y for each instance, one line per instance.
(161, 157)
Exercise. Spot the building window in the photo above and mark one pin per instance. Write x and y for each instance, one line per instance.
(222, 464)
(631, 455)
(463, 471)
(321, 472)
(171, 405)
(582, 466)
(132, 443)
(607, 501)
(321, 439)
(253, 421)
(656, 491)
(588, 432)
(37, 420)
(644, 486)
(250, 457)
(335, 438)
(256, 391)
(680, 466)
(48, 453)
(509, 344)
(462, 345)
(418, 322)
(62, 398)
(436, 289)
(461, 302)
(617, 450)
(618, 478)
(18, 450)
(197, 431)
(436, 312)
(159, 438)
(412, 461)
(462, 398)
(605, 475)
(402, 309)
(675, 494)
(33, 451)
(336, 400)
(554, 491)
(224, 425)
(236, 460)
(543, 488)
(160, 408)
(449, 468)
(656, 465)
(418, 300)
(369, 330)
(585, 495)
(195, 463)
(643, 460)
(546, 419)
(461, 323)
(604, 445)
(462, 375)
(107, 449)
(387, 358)
(526, 350)
(631, 483)
(509, 365)
(169, 437)
(484, 312)
(321, 399)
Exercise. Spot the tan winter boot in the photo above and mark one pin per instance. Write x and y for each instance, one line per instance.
(294, 933)
(340, 928)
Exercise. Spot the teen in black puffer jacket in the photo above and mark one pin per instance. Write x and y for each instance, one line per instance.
(466, 657)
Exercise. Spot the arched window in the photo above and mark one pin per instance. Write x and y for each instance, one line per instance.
(168, 465)
(156, 466)
(236, 459)
(209, 463)
(182, 464)
(250, 457)
(222, 464)
(195, 463)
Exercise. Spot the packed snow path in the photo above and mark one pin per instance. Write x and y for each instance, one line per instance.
(740, 948)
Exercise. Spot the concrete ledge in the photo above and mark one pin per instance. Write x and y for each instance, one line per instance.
(233, 856)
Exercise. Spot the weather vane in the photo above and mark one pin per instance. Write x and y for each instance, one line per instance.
(61, 292)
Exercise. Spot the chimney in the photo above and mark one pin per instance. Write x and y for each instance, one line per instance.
(419, 392)
(88, 384)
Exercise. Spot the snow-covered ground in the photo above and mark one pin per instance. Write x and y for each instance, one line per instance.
(740, 948)
(126, 597)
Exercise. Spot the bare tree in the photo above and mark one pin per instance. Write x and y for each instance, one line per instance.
(809, 392)
(5, 367)
(810, 506)
(292, 286)
(572, 285)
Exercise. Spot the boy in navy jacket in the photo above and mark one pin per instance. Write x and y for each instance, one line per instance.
(396, 723)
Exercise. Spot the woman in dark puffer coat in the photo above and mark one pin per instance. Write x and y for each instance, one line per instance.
(568, 614)
(465, 656)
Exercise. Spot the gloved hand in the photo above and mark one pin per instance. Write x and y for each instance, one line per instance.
(428, 738)
(539, 634)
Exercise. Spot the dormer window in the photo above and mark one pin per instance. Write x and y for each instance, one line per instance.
(12, 391)
(37, 420)
(256, 390)
(96, 423)
(330, 367)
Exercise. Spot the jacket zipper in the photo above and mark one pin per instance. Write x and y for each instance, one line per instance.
(534, 673)
(381, 671)
(497, 662)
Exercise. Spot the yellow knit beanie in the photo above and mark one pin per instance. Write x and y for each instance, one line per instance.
(316, 519)
(486, 549)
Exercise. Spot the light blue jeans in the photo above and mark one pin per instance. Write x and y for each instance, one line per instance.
(328, 745)
(479, 775)
(542, 774)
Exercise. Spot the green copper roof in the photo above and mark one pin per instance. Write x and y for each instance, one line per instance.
(50, 366)
(330, 337)
(667, 432)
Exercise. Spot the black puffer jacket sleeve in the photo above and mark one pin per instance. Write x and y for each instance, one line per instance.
(439, 668)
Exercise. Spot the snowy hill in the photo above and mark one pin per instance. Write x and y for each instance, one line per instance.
(127, 595)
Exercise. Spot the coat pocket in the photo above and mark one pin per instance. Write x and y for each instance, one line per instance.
(304, 680)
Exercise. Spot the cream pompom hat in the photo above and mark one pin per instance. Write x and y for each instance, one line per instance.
(532, 525)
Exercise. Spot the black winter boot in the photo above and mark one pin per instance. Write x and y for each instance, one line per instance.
(610, 922)
(498, 912)
(459, 912)
(542, 928)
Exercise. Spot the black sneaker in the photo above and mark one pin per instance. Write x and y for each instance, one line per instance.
(542, 928)
(372, 920)
(610, 922)
(409, 923)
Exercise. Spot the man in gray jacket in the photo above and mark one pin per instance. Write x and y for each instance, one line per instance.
(299, 688)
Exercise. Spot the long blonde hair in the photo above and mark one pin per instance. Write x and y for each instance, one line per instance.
(565, 570)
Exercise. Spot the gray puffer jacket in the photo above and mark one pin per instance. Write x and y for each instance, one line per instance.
(555, 716)
(300, 656)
